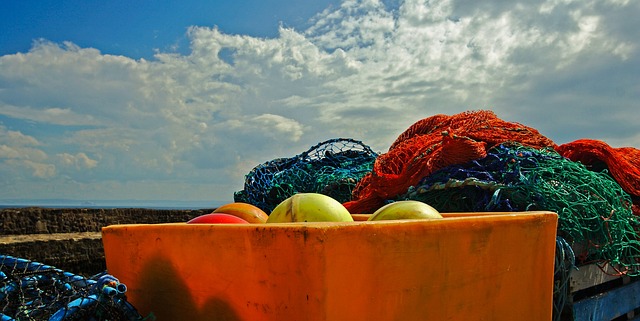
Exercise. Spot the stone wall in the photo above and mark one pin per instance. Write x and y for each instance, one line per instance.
(69, 239)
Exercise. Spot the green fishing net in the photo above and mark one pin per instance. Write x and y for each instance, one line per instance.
(594, 212)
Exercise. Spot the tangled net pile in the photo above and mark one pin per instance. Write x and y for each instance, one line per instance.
(332, 168)
(622, 163)
(474, 161)
(434, 143)
(594, 213)
(34, 291)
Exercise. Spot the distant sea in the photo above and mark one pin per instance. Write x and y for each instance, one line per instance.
(148, 204)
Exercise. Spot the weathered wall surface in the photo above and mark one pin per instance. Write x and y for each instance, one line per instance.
(36, 220)
(83, 256)
(69, 239)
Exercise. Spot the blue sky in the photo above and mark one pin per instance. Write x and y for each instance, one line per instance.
(138, 29)
(159, 100)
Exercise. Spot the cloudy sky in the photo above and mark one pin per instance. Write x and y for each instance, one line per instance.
(178, 101)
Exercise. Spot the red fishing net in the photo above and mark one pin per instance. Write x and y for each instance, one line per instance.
(622, 163)
(434, 143)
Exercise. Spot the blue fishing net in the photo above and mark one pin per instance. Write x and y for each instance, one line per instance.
(35, 291)
(332, 168)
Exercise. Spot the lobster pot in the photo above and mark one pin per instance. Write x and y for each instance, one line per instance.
(466, 266)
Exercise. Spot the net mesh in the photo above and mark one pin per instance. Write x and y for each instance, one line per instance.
(564, 262)
(595, 214)
(622, 163)
(34, 291)
(332, 167)
(434, 143)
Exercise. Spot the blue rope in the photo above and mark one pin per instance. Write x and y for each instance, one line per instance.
(565, 260)
(35, 291)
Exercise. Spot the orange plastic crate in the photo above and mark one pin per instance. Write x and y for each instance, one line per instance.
(467, 266)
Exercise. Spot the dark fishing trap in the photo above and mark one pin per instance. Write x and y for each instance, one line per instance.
(332, 167)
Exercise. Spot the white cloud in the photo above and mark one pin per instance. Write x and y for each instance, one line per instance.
(365, 69)
(79, 160)
(32, 161)
(53, 115)
(17, 138)
(40, 170)
(20, 152)
(289, 127)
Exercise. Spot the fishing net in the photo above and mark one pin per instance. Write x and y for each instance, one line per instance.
(622, 163)
(594, 212)
(564, 262)
(332, 168)
(434, 143)
(34, 291)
